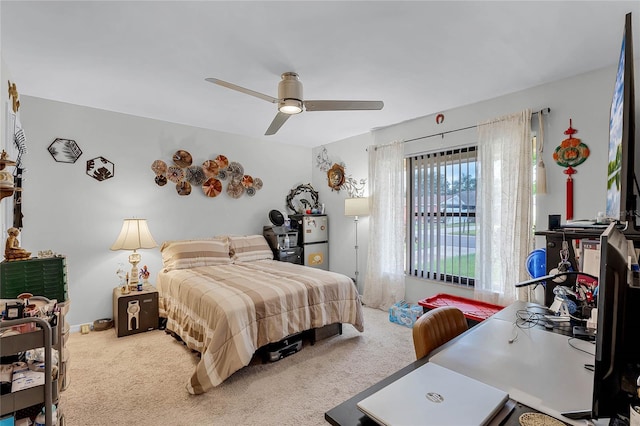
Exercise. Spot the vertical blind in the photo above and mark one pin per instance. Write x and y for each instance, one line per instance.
(442, 215)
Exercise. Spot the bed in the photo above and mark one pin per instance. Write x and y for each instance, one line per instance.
(226, 297)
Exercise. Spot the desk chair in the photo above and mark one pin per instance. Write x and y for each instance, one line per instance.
(436, 327)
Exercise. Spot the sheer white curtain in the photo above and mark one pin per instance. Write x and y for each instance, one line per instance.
(504, 207)
(384, 278)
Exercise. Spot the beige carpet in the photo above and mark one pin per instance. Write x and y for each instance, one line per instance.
(141, 379)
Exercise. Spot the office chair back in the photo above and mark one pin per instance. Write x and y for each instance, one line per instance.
(436, 327)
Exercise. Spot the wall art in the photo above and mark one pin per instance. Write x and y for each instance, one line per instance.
(301, 198)
(64, 150)
(336, 177)
(100, 168)
(211, 176)
(570, 153)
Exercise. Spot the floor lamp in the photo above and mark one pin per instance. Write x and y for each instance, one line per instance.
(356, 207)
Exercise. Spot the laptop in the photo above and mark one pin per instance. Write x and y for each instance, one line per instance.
(434, 395)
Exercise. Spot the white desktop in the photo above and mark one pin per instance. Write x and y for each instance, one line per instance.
(538, 368)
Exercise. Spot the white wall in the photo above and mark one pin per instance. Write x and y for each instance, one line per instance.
(73, 214)
(585, 99)
(342, 230)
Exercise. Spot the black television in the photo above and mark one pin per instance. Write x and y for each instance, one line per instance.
(617, 353)
(617, 358)
(622, 185)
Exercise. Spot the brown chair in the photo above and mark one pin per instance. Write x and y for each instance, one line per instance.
(436, 327)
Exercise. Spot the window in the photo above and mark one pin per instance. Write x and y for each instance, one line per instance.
(442, 205)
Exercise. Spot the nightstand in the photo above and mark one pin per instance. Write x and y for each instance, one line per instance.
(135, 312)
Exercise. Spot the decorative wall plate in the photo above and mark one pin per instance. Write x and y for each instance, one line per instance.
(195, 175)
(235, 188)
(100, 168)
(335, 177)
(210, 168)
(64, 150)
(247, 181)
(222, 161)
(182, 158)
(235, 169)
(183, 188)
(212, 187)
(175, 174)
(159, 167)
(161, 180)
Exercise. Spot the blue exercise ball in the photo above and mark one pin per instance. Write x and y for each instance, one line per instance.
(537, 263)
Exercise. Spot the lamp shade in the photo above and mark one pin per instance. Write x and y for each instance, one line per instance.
(356, 206)
(134, 235)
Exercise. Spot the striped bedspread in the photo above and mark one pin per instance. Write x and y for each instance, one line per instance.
(227, 312)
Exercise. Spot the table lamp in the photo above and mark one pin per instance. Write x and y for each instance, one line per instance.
(356, 207)
(134, 235)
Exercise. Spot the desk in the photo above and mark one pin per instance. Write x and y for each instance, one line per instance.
(552, 384)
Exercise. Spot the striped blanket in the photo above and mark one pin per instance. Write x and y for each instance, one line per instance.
(227, 312)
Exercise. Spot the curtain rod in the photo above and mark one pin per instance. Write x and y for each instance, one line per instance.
(542, 111)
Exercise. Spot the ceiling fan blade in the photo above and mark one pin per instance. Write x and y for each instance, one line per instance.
(342, 105)
(277, 122)
(243, 90)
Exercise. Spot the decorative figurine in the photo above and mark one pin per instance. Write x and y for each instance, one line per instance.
(144, 275)
(12, 249)
(125, 289)
(122, 275)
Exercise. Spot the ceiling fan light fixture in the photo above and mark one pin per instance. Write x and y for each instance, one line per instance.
(290, 106)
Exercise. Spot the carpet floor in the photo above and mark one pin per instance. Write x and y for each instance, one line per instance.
(140, 379)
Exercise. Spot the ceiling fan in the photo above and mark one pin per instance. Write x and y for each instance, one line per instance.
(290, 100)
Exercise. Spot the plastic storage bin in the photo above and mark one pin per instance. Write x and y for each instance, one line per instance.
(474, 310)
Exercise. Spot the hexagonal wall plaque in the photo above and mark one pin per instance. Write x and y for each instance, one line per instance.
(100, 168)
(64, 150)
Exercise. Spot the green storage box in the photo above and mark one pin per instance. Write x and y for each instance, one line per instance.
(41, 277)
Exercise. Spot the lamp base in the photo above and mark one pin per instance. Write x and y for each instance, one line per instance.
(134, 259)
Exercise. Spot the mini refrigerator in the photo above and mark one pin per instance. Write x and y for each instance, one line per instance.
(313, 237)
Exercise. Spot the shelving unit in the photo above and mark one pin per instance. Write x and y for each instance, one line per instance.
(42, 336)
(554, 243)
(4, 162)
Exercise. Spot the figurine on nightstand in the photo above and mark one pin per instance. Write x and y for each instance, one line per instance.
(12, 249)
(124, 279)
(144, 275)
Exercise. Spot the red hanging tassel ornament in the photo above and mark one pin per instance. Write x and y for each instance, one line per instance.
(570, 171)
(571, 153)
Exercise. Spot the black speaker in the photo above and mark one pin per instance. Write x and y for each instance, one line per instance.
(554, 222)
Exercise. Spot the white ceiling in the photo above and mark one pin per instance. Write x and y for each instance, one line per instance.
(150, 58)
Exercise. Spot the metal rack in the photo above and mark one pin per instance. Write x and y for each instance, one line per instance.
(43, 336)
